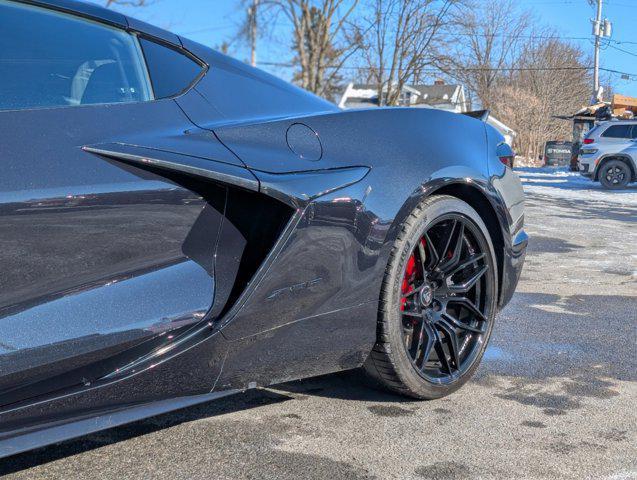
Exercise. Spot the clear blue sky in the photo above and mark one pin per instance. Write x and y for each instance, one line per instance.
(212, 22)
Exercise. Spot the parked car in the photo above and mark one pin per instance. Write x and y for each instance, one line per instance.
(178, 226)
(557, 153)
(607, 153)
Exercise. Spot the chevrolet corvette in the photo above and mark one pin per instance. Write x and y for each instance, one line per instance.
(178, 226)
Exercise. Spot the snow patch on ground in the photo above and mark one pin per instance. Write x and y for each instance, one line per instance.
(561, 183)
(582, 237)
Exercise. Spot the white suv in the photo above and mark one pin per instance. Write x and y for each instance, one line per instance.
(609, 155)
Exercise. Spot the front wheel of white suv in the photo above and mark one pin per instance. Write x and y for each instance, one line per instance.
(615, 174)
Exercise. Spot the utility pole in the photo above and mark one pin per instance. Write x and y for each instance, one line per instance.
(252, 15)
(596, 31)
(600, 29)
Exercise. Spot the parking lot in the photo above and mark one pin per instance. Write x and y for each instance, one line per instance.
(555, 396)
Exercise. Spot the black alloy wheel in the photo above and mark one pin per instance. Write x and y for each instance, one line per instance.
(442, 304)
(438, 302)
(615, 174)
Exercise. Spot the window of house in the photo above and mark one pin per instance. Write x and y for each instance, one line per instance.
(52, 59)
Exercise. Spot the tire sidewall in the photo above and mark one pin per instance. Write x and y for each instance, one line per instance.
(433, 208)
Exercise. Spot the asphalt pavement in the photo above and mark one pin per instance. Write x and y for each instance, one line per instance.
(555, 397)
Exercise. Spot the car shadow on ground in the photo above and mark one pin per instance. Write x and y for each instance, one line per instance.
(345, 385)
(585, 209)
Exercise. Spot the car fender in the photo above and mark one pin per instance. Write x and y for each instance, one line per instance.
(620, 156)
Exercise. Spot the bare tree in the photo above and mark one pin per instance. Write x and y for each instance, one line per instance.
(486, 41)
(318, 33)
(223, 47)
(318, 41)
(401, 39)
(552, 78)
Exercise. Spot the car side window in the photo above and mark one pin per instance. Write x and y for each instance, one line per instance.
(171, 72)
(53, 59)
(634, 132)
(617, 131)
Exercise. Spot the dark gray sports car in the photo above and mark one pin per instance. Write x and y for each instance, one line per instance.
(177, 226)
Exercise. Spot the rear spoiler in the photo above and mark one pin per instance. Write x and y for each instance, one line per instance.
(482, 115)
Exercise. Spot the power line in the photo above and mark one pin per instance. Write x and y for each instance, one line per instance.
(617, 72)
(539, 37)
(513, 37)
(470, 69)
(622, 50)
(557, 2)
(495, 35)
(578, 2)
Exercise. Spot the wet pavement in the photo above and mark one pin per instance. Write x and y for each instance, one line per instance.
(556, 396)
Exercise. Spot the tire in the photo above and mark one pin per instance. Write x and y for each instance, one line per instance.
(615, 174)
(393, 362)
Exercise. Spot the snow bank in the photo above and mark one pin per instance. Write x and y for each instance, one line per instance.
(561, 183)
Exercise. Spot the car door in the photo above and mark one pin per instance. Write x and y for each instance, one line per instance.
(99, 257)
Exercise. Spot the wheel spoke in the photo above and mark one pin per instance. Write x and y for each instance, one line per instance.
(469, 283)
(457, 323)
(414, 342)
(440, 350)
(426, 352)
(431, 249)
(452, 337)
(448, 263)
(449, 237)
(421, 337)
(469, 305)
(470, 261)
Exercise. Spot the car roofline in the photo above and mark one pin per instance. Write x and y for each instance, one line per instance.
(84, 9)
(92, 11)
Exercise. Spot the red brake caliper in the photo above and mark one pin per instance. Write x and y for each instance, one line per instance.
(408, 279)
(407, 287)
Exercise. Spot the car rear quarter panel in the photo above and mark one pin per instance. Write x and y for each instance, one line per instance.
(406, 150)
(409, 153)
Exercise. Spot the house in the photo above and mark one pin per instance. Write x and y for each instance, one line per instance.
(440, 96)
